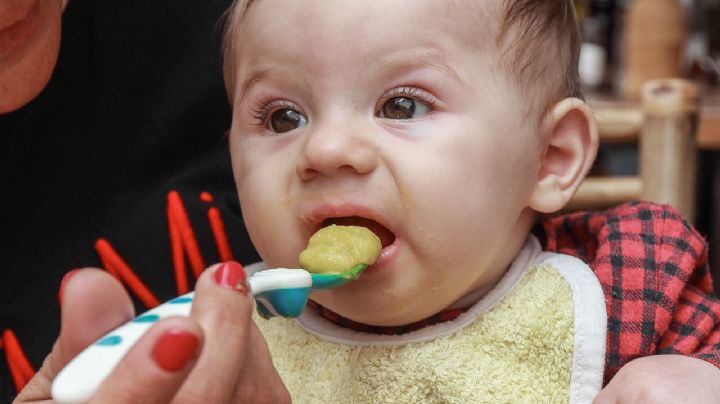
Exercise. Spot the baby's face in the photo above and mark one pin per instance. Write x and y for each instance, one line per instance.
(389, 114)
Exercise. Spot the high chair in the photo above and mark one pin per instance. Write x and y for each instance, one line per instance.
(664, 127)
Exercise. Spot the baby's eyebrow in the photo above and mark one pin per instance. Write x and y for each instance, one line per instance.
(253, 79)
(423, 59)
(441, 65)
(418, 60)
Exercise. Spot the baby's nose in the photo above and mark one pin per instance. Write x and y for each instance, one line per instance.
(333, 149)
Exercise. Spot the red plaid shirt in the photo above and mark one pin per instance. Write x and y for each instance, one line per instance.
(653, 268)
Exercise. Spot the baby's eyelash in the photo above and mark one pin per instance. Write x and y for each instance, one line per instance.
(261, 110)
(412, 92)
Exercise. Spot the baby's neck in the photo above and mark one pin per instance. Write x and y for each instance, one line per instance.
(441, 317)
(470, 299)
(448, 314)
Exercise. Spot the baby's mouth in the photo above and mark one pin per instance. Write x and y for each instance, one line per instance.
(384, 234)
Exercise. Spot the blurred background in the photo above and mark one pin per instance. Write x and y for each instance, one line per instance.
(617, 34)
(627, 43)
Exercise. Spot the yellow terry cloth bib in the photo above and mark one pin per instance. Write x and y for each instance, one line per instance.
(538, 337)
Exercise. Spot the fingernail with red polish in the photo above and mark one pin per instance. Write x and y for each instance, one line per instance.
(174, 350)
(64, 282)
(231, 275)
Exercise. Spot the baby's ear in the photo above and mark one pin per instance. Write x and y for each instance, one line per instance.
(569, 142)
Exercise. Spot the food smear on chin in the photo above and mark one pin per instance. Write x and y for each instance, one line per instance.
(336, 249)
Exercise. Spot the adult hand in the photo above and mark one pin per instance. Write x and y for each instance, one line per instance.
(663, 379)
(217, 355)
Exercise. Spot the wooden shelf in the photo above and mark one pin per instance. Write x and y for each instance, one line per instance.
(619, 120)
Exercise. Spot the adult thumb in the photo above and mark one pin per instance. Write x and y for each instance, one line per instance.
(93, 303)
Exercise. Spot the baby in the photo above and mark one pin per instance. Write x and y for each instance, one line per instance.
(447, 128)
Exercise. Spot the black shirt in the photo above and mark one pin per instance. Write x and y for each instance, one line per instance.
(135, 108)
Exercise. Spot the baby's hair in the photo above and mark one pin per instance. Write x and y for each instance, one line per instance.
(539, 41)
(232, 17)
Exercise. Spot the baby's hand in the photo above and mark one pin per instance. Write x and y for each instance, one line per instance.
(663, 379)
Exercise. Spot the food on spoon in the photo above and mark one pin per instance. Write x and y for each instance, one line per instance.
(336, 249)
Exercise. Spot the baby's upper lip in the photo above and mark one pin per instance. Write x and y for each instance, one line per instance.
(320, 213)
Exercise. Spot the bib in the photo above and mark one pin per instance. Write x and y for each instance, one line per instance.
(539, 336)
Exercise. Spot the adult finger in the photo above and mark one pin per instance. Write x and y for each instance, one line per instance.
(93, 303)
(155, 368)
(223, 307)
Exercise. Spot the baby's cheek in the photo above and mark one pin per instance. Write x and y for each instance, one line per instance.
(277, 245)
(243, 154)
(256, 218)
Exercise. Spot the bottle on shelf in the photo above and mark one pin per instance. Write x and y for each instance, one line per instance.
(597, 56)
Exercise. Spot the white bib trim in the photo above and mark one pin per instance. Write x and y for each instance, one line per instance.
(588, 366)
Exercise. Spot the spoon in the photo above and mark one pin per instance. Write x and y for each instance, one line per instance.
(326, 281)
(279, 292)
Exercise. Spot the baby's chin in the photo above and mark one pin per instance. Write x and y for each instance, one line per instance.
(377, 311)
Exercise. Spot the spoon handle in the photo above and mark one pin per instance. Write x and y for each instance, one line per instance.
(277, 292)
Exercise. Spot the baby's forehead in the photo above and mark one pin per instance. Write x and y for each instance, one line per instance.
(493, 29)
(321, 29)
(477, 21)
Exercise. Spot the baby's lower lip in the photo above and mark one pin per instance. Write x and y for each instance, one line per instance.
(387, 256)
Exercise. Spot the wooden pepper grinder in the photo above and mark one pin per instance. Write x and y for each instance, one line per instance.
(654, 39)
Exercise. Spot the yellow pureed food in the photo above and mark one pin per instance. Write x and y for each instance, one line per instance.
(336, 249)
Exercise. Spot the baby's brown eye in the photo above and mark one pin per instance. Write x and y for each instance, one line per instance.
(285, 120)
(403, 108)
